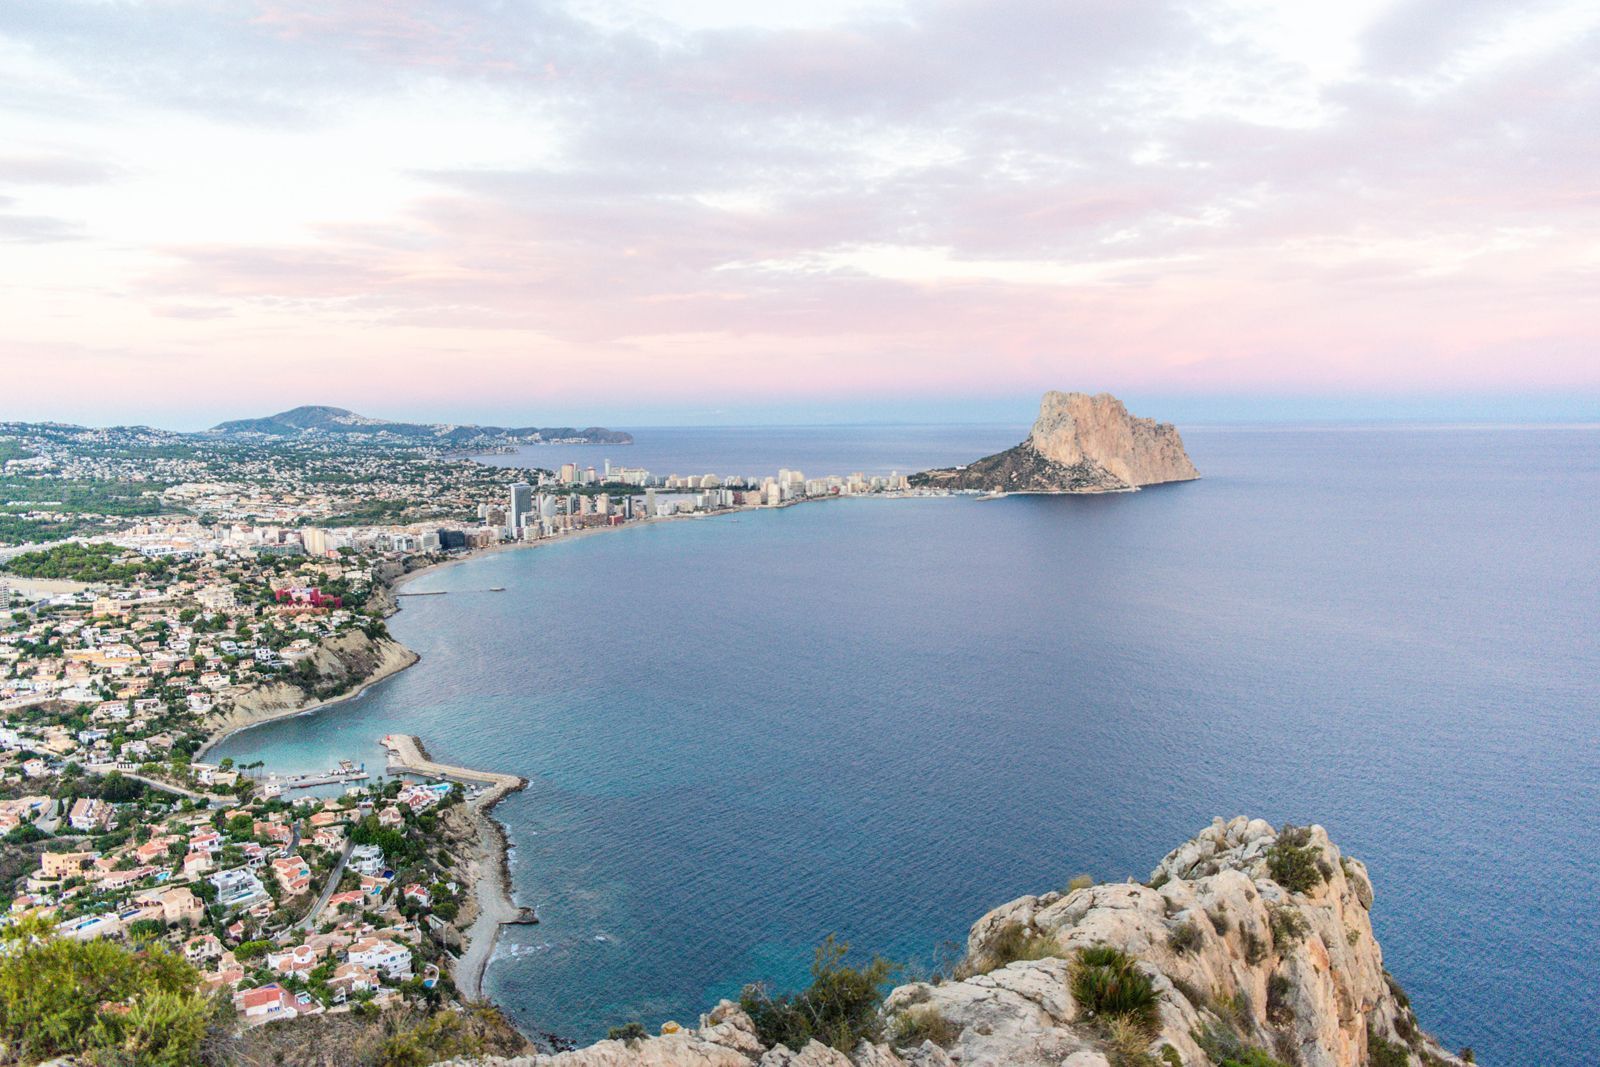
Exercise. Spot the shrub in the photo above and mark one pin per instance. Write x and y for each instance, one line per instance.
(1293, 862)
(840, 1008)
(633, 1031)
(923, 1023)
(438, 1037)
(1278, 1010)
(1191, 992)
(1127, 1042)
(1013, 942)
(1184, 938)
(1382, 1052)
(1289, 927)
(1106, 983)
(1226, 1049)
(1219, 919)
(1081, 881)
(1255, 949)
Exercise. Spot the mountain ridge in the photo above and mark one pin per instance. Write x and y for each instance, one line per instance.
(325, 419)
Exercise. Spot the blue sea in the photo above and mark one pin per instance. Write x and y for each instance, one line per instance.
(881, 718)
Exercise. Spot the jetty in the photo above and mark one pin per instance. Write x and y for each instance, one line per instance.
(491, 873)
(407, 754)
(444, 592)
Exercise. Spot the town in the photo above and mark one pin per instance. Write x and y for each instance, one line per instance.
(168, 592)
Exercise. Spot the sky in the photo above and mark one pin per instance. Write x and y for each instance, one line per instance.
(613, 211)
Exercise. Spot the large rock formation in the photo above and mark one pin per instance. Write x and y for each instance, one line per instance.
(1079, 444)
(1243, 970)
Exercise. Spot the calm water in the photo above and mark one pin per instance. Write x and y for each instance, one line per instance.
(883, 717)
(762, 450)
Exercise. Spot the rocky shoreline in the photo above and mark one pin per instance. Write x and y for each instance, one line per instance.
(489, 871)
(1248, 945)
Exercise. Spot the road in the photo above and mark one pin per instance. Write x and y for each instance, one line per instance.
(214, 799)
(329, 889)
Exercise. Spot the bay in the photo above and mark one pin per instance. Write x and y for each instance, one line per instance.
(883, 717)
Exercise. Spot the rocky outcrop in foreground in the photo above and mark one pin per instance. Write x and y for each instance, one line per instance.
(1248, 946)
(1079, 444)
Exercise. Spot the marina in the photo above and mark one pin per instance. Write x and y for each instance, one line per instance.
(346, 771)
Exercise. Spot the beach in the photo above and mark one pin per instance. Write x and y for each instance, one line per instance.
(488, 869)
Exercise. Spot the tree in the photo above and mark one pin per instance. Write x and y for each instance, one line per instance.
(840, 1008)
(51, 990)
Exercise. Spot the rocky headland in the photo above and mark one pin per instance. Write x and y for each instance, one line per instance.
(1079, 444)
(1247, 947)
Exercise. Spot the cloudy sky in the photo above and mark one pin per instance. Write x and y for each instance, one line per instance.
(705, 210)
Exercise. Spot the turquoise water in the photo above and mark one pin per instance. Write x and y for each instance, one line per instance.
(883, 717)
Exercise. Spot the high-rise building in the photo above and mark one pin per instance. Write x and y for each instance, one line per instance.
(521, 506)
(569, 473)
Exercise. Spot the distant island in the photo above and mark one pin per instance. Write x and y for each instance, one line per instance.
(317, 419)
(1079, 444)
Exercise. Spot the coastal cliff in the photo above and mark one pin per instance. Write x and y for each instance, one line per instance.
(1079, 444)
(1252, 946)
(340, 667)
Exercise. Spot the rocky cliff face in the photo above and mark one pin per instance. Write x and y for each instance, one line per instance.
(1079, 444)
(1255, 946)
(342, 664)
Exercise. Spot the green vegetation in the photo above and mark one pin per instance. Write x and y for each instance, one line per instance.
(1106, 983)
(249, 950)
(1289, 927)
(840, 1008)
(98, 1000)
(10, 449)
(84, 563)
(1184, 938)
(1013, 942)
(1279, 1013)
(924, 1022)
(441, 1036)
(1382, 1052)
(633, 1031)
(1293, 862)
(1227, 1050)
(1080, 881)
(48, 509)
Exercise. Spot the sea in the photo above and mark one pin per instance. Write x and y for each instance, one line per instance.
(880, 718)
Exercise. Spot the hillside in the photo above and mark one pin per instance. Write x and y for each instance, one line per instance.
(317, 419)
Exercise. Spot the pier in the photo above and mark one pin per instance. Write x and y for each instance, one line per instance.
(345, 772)
(445, 592)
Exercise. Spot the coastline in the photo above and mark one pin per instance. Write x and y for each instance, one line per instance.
(490, 868)
(237, 722)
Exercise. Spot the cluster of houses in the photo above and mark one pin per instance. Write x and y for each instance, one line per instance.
(244, 893)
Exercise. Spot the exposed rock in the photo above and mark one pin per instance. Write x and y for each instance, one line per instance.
(1230, 954)
(1079, 444)
(343, 665)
